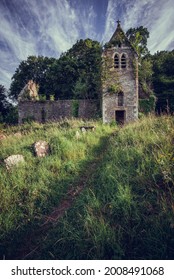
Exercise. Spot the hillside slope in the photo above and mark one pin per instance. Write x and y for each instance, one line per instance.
(125, 210)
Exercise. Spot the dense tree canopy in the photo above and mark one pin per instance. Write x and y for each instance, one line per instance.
(163, 80)
(3, 102)
(63, 75)
(8, 111)
(138, 38)
(155, 71)
(35, 68)
(76, 74)
(88, 56)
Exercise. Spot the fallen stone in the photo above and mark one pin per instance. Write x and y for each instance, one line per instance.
(41, 148)
(18, 134)
(90, 127)
(13, 160)
(2, 136)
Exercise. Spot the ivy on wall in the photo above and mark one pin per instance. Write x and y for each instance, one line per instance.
(115, 88)
(147, 105)
(75, 108)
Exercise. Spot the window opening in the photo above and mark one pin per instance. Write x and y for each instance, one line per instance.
(116, 61)
(123, 61)
(120, 99)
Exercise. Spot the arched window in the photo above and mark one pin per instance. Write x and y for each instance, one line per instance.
(120, 99)
(123, 61)
(116, 61)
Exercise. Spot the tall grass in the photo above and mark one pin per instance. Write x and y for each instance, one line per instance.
(127, 211)
(31, 190)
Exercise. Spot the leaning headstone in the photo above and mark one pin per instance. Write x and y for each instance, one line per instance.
(41, 148)
(77, 135)
(13, 160)
(83, 130)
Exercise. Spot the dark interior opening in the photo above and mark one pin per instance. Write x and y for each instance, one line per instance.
(120, 117)
(120, 99)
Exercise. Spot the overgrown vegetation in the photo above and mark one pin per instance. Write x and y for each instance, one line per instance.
(8, 112)
(163, 80)
(126, 210)
(75, 75)
(29, 191)
(147, 105)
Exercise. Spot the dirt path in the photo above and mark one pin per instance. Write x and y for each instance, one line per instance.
(31, 241)
(70, 197)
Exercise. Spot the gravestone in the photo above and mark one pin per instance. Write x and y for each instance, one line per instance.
(41, 148)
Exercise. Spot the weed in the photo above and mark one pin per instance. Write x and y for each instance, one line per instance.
(126, 210)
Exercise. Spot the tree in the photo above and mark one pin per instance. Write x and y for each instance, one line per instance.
(63, 74)
(8, 111)
(34, 68)
(3, 102)
(76, 74)
(138, 38)
(62, 77)
(88, 60)
(163, 80)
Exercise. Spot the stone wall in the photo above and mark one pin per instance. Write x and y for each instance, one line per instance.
(43, 111)
(88, 109)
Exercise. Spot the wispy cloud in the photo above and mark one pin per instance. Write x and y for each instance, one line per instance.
(156, 15)
(50, 27)
(45, 28)
(161, 27)
(111, 18)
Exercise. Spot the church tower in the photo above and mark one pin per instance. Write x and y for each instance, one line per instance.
(119, 79)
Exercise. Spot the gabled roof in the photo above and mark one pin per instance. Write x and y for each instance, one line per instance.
(119, 36)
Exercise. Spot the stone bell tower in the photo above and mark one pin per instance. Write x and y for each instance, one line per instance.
(119, 79)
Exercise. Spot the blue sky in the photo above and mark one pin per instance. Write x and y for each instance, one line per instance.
(50, 27)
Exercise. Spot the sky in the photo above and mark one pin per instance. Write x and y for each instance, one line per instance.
(50, 27)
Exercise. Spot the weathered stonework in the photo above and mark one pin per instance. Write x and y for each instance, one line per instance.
(119, 90)
(41, 148)
(29, 92)
(43, 111)
(120, 78)
(88, 109)
(13, 160)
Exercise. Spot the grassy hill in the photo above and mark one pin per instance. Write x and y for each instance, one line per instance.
(117, 182)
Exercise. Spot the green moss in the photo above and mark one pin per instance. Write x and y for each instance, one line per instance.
(115, 88)
(75, 108)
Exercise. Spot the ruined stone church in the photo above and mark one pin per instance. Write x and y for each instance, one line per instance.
(119, 96)
(120, 80)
